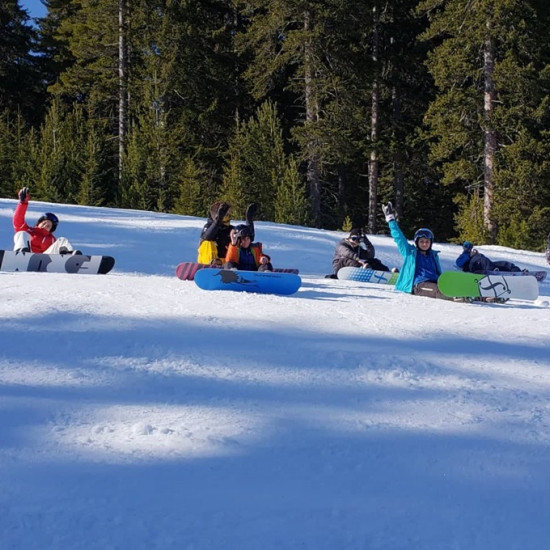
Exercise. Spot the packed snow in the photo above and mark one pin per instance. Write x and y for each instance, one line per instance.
(139, 412)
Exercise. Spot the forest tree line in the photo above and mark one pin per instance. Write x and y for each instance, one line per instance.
(319, 110)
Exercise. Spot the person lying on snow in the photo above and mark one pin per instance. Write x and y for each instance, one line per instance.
(245, 255)
(356, 251)
(40, 237)
(474, 262)
(216, 233)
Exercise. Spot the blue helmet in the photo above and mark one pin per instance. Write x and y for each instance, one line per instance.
(49, 216)
(423, 233)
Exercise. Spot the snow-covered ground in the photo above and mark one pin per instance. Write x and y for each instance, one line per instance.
(138, 412)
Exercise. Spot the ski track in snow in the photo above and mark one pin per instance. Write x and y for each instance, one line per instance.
(139, 412)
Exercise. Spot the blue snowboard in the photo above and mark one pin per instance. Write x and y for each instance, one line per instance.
(367, 275)
(263, 282)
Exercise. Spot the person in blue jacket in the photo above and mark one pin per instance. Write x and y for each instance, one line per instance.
(421, 267)
(473, 261)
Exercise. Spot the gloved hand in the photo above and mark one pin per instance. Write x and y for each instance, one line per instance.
(251, 212)
(467, 246)
(24, 195)
(223, 209)
(388, 212)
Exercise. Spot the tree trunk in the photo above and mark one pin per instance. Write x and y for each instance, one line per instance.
(122, 85)
(398, 146)
(375, 108)
(312, 115)
(490, 138)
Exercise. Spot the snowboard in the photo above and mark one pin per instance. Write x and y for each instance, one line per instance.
(262, 282)
(458, 284)
(55, 263)
(367, 275)
(186, 270)
(539, 275)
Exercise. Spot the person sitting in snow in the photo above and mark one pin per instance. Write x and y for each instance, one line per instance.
(39, 238)
(245, 255)
(355, 251)
(474, 262)
(421, 267)
(216, 233)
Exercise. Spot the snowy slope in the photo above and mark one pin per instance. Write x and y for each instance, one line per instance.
(138, 412)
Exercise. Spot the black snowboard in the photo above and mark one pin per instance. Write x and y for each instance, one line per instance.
(55, 263)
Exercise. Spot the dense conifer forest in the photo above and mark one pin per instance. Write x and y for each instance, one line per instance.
(319, 110)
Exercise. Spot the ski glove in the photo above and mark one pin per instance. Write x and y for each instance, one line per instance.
(24, 195)
(388, 212)
(222, 211)
(468, 248)
(251, 212)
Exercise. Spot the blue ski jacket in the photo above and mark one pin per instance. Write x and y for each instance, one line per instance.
(408, 251)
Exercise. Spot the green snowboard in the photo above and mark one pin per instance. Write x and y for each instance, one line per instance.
(458, 284)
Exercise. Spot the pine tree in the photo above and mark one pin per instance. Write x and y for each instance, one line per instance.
(21, 86)
(55, 155)
(491, 109)
(291, 203)
(99, 170)
(190, 200)
(257, 164)
(7, 154)
(290, 42)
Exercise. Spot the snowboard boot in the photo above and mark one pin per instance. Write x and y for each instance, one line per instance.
(64, 250)
(492, 300)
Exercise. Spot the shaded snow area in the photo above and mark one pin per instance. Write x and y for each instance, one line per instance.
(138, 412)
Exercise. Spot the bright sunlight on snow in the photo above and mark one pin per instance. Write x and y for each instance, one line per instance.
(138, 412)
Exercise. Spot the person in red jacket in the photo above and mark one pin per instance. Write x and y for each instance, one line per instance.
(40, 238)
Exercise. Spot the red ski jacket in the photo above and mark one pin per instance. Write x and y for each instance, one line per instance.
(40, 238)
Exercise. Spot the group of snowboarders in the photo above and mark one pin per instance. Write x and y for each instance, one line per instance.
(224, 245)
(421, 267)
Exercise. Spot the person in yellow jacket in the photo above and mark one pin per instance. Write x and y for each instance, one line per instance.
(245, 255)
(216, 233)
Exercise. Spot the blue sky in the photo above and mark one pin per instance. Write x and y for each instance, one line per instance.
(34, 7)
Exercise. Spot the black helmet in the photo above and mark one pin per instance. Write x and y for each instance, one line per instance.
(49, 216)
(243, 231)
(423, 233)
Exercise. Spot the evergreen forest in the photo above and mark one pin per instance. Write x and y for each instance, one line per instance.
(318, 110)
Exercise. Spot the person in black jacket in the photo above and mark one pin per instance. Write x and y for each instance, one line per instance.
(216, 233)
(355, 251)
(473, 261)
